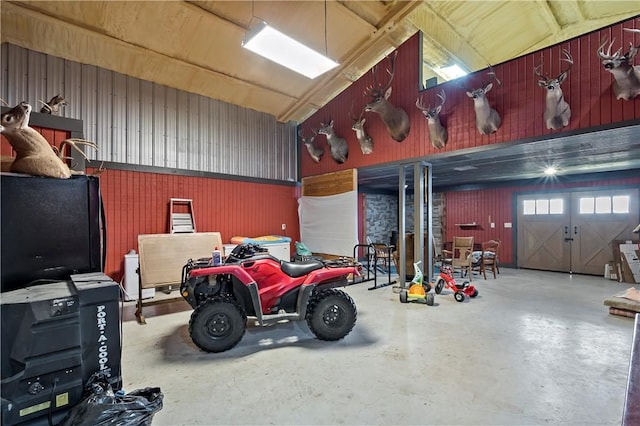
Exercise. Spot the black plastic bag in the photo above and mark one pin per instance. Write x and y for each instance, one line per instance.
(104, 407)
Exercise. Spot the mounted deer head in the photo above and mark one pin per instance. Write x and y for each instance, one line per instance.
(54, 106)
(487, 118)
(395, 118)
(337, 145)
(556, 111)
(626, 84)
(366, 142)
(437, 132)
(315, 152)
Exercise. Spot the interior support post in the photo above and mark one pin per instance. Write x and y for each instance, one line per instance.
(422, 199)
(430, 249)
(402, 196)
(418, 215)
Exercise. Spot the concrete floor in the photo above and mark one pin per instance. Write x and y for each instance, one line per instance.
(533, 348)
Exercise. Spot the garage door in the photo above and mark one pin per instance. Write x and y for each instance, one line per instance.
(572, 231)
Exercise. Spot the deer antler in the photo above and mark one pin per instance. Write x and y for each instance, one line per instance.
(376, 90)
(421, 106)
(45, 105)
(608, 55)
(443, 98)
(353, 117)
(326, 123)
(567, 58)
(493, 76)
(536, 71)
(73, 143)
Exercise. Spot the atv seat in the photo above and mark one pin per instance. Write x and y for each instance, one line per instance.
(298, 269)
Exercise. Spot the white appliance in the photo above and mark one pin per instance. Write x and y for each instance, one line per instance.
(132, 280)
(227, 249)
(281, 251)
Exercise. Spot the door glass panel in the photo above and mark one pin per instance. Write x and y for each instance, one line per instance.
(586, 205)
(603, 205)
(542, 206)
(620, 204)
(529, 207)
(556, 206)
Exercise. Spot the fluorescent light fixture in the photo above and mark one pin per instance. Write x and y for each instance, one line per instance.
(282, 49)
(451, 72)
(464, 168)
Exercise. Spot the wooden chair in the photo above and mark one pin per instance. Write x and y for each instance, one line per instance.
(381, 255)
(489, 258)
(460, 255)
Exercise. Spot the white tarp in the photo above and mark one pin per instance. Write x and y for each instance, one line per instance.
(329, 224)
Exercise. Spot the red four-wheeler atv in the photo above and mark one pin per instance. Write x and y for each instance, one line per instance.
(253, 283)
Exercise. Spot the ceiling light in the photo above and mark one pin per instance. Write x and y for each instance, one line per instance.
(451, 72)
(282, 49)
(550, 171)
(464, 168)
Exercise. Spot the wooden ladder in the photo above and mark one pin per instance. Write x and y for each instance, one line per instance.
(181, 222)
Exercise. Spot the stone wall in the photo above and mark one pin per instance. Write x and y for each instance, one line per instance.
(382, 217)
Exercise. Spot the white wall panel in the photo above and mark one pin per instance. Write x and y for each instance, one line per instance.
(146, 123)
(133, 123)
(171, 128)
(120, 98)
(203, 136)
(182, 147)
(142, 123)
(36, 79)
(158, 128)
(104, 114)
(73, 90)
(193, 128)
(54, 82)
(88, 110)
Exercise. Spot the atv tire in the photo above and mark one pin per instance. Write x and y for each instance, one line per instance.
(331, 314)
(217, 324)
(403, 296)
(439, 286)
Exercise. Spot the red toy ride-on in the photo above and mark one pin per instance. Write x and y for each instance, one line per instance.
(253, 283)
(445, 279)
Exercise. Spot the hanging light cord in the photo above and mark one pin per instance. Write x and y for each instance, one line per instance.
(326, 50)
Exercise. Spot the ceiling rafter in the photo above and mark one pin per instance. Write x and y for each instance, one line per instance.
(37, 16)
(548, 16)
(386, 26)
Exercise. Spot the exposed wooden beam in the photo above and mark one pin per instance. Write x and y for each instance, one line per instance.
(28, 28)
(385, 28)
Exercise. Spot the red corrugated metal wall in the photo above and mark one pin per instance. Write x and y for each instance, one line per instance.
(138, 203)
(520, 102)
(52, 136)
(497, 205)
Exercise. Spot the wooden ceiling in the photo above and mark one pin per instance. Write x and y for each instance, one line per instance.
(195, 46)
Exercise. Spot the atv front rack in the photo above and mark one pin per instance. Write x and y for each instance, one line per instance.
(340, 262)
